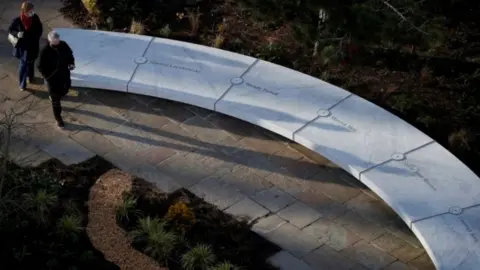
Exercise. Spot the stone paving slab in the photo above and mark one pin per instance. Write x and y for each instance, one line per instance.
(248, 210)
(397, 265)
(331, 233)
(293, 240)
(217, 193)
(154, 175)
(268, 224)
(299, 214)
(286, 261)
(368, 255)
(274, 199)
(94, 141)
(327, 258)
(34, 160)
(68, 151)
(246, 182)
(184, 169)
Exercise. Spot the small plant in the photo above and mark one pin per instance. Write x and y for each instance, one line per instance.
(71, 207)
(219, 40)
(271, 52)
(181, 215)
(193, 16)
(70, 227)
(461, 140)
(137, 27)
(224, 266)
(165, 31)
(199, 257)
(127, 208)
(40, 203)
(159, 242)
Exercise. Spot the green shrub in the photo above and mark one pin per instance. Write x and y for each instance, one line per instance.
(40, 203)
(127, 208)
(199, 257)
(165, 31)
(159, 242)
(70, 227)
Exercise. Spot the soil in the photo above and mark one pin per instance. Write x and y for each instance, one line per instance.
(25, 244)
(230, 239)
(437, 91)
(102, 228)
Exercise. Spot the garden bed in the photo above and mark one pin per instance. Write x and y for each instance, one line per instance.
(182, 231)
(43, 217)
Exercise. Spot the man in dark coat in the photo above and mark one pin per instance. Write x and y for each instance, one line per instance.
(27, 29)
(56, 62)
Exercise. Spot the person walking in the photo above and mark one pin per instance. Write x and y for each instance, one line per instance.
(55, 63)
(26, 30)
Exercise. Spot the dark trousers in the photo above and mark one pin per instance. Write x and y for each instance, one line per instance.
(26, 70)
(58, 86)
(57, 107)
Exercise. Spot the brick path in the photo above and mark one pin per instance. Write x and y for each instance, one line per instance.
(296, 198)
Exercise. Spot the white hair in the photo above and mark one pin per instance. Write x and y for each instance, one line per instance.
(53, 35)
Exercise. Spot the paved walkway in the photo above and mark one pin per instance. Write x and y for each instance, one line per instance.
(298, 199)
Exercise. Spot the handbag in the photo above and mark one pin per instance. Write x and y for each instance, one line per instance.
(13, 40)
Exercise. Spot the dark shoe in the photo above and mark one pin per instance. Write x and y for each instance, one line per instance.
(60, 124)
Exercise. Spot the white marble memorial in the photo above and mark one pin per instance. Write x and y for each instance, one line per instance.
(452, 239)
(187, 73)
(434, 193)
(358, 135)
(104, 60)
(278, 99)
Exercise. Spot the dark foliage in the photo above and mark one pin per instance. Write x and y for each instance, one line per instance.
(43, 213)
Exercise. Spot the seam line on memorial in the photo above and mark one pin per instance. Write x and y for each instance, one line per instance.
(231, 84)
(342, 100)
(404, 153)
(444, 213)
(318, 116)
(420, 147)
(135, 70)
(373, 167)
(305, 125)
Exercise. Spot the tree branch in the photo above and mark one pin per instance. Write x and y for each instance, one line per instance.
(385, 2)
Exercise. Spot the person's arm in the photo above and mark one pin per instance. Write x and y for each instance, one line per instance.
(13, 28)
(70, 57)
(42, 62)
(40, 27)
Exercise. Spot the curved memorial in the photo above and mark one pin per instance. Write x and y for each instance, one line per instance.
(434, 193)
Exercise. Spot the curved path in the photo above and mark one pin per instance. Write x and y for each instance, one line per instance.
(433, 192)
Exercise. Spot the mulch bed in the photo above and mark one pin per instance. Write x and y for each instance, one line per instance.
(106, 236)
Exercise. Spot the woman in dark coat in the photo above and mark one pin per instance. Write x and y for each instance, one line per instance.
(28, 29)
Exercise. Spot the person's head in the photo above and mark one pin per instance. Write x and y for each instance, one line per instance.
(27, 9)
(53, 38)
